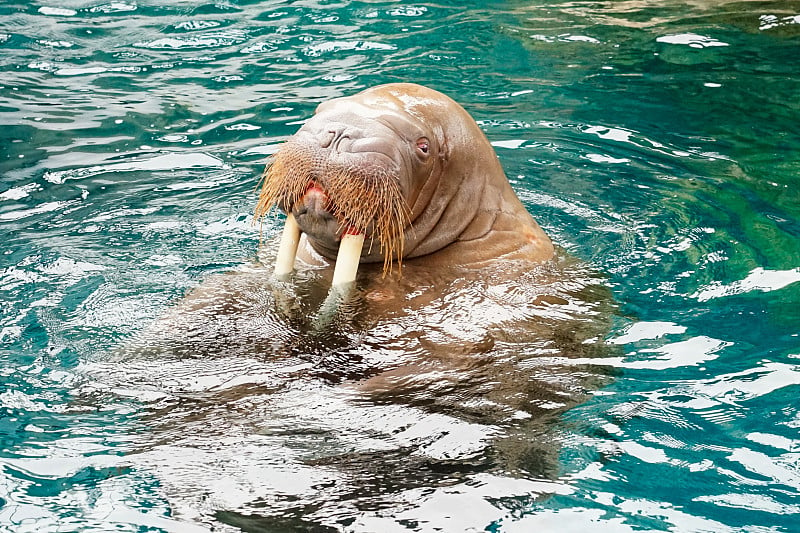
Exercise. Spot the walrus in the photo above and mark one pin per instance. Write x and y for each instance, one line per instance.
(405, 169)
(446, 375)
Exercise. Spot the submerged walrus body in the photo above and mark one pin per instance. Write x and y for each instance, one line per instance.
(409, 169)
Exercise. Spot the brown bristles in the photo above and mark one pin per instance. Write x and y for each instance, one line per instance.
(359, 197)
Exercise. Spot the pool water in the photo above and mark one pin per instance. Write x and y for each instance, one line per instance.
(647, 381)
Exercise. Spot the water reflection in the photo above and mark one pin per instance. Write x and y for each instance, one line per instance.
(429, 379)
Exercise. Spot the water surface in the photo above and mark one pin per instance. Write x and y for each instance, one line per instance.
(646, 382)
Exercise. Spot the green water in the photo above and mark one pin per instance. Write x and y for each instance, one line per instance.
(658, 142)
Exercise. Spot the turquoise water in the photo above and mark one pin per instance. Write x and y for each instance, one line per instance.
(657, 142)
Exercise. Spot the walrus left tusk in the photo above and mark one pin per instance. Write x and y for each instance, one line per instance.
(287, 251)
(348, 258)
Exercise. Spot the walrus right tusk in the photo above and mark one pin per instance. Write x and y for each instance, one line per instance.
(348, 258)
(287, 250)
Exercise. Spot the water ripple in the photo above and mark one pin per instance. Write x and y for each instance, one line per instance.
(161, 162)
(208, 40)
(643, 140)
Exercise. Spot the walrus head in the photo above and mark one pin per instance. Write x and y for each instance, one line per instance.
(401, 164)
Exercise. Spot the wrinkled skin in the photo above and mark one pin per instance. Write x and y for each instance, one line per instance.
(458, 205)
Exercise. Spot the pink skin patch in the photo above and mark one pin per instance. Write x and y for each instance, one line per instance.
(316, 197)
(315, 194)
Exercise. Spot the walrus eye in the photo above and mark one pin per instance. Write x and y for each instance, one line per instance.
(423, 145)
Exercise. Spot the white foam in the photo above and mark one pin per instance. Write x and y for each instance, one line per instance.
(769, 467)
(463, 507)
(18, 193)
(776, 441)
(606, 132)
(318, 49)
(691, 352)
(511, 143)
(758, 279)
(599, 158)
(43, 208)
(57, 11)
(647, 330)
(691, 39)
(771, 21)
(752, 383)
(169, 161)
(752, 502)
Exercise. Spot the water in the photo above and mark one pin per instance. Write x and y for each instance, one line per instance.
(656, 142)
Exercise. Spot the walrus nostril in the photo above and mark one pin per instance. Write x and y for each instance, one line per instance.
(334, 136)
(327, 139)
(338, 142)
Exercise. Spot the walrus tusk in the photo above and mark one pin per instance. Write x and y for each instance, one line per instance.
(348, 258)
(287, 250)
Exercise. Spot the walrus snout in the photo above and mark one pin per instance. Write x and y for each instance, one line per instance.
(338, 185)
(332, 136)
(314, 217)
(318, 217)
(314, 203)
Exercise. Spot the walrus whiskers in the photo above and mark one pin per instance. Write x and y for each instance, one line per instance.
(283, 183)
(289, 189)
(360, 199)
(374, 199)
